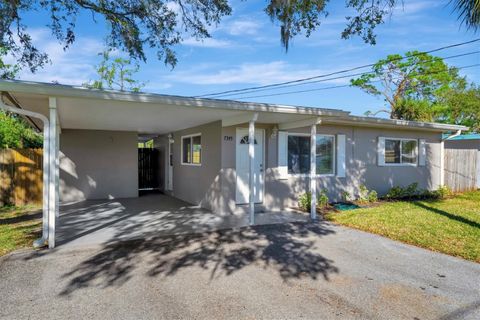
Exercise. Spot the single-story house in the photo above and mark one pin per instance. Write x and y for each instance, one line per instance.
(226, 156)
(464, 141)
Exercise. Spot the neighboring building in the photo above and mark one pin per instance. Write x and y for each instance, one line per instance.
(464, 141)
(204, 147)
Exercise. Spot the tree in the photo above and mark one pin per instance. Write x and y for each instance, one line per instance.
(409, 85)
(161, 24)
(117, 74)
(16, 133)
(7, 71)
(460, 105)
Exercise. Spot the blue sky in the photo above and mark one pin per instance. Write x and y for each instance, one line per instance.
(245, 51)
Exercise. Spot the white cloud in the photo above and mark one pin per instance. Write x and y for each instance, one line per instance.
(207, 43)
(243, 27)
(72, 66)
(250, 73)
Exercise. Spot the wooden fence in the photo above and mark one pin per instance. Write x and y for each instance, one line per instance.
(21, 175)
(462, 169)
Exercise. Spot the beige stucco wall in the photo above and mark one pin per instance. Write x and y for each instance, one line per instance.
(98, 164)
(199, 185)
(361, 167)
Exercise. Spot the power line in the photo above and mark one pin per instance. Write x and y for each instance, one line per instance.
(329, 79)
(332, 87)
(336, 72)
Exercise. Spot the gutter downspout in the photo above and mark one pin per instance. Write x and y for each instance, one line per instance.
(442, 156)
(46, 173)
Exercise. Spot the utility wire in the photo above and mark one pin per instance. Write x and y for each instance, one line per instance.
(336, 72)
(329, 79)
(333, 87)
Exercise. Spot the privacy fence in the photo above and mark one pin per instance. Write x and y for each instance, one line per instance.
(462, 169)
(21, 175)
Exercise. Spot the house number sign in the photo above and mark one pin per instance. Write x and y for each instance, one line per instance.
(227, 138)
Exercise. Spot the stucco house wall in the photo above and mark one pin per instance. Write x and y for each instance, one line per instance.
(361, 166)
(98, 164)
(199, 184)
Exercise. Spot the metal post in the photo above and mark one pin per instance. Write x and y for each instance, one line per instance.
(313, 171)
(251, 180)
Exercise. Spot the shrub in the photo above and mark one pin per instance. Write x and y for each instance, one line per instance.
(372, 196)
(305, 200)
(346, 196)
(412, 192)
(322, 199)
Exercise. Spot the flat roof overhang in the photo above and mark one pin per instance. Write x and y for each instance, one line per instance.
(82, 108)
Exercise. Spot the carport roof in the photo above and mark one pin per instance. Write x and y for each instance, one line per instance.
(83, 108)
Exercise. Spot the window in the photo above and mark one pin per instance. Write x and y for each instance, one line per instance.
(299, 154)
(192, 149)
(400, 151)
(325, 154)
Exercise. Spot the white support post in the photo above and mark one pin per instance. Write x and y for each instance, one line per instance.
(442, 163)
(251, 180)
(53, 192)
(46, 166)
(313, 171)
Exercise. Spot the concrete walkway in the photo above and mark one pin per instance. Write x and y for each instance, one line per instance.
(97, 222)
(284, 271)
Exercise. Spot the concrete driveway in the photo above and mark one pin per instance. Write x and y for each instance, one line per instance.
(284, 271)
(99, 222)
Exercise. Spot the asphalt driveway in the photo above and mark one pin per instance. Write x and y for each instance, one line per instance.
(285, 271)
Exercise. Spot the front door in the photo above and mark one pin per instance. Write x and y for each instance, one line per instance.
(243, 169)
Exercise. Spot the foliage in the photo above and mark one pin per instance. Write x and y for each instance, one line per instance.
(450, 226)
(322, 199)
(116, 73)
(305, 200)
(372, 196)
(133, 26)
(346, 196)
(15, 133)
(409, 85)
(412, 192)
(7, 71)
(366, 195)
(460, 105)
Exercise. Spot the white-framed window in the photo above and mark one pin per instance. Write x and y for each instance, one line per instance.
(298, 154)
(400, 152)
(192, 149)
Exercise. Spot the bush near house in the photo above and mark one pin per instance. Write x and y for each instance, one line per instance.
(449, 225)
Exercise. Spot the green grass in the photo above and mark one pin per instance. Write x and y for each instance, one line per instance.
(19, 227)
(451, 226)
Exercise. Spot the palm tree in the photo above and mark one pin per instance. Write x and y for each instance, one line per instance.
(469, 12)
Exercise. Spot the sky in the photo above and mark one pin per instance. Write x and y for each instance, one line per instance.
(245, 51)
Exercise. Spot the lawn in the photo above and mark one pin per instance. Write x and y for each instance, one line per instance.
(19, 227)
(451, 226)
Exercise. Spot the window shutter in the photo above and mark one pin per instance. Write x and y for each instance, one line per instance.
(422, 152)
(381, 151)
(282, 154)
(341, 166)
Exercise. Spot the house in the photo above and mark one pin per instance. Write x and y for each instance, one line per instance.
(464, 141)
(226, 156)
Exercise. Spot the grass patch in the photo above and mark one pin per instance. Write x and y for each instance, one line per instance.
(451, 226)
(19, 227)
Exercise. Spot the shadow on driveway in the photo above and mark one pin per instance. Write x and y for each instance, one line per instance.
(287, 248)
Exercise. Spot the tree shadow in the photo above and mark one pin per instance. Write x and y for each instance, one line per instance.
(447, 214)
(288, 249)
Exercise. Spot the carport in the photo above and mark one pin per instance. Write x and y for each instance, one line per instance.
(59, 107)
(100, 222)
